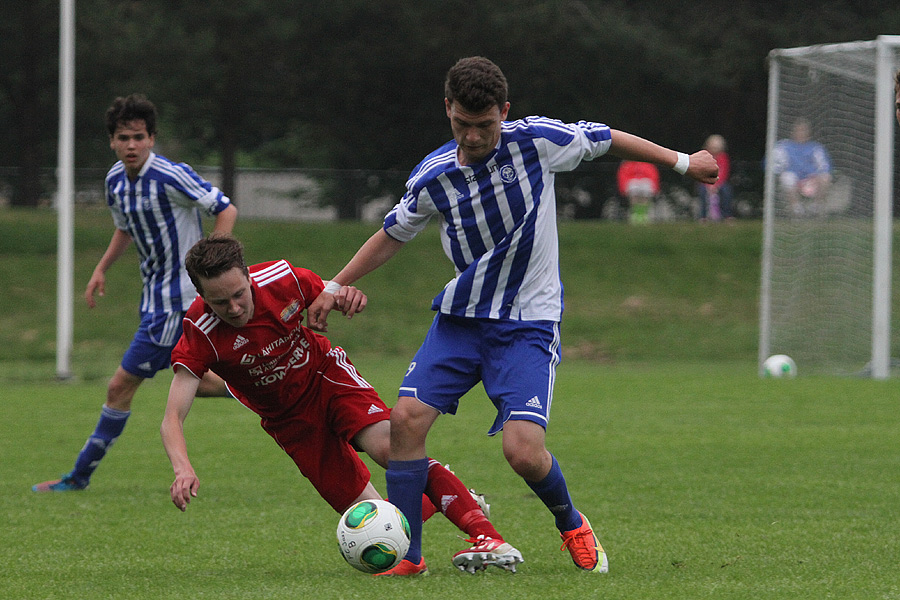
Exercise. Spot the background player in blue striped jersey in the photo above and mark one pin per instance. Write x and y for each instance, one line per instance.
(498, 320)
(157, 204)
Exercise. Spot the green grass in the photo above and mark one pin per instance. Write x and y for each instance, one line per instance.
(666, 292)
(703, 480)
(704, 483)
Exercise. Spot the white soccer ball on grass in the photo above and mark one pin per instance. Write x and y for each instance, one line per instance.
(373, 536)
(780, 365)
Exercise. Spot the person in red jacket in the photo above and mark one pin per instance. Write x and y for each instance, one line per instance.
(639, 184)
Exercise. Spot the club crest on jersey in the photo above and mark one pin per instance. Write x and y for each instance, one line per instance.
(508, 174)
(290, 310)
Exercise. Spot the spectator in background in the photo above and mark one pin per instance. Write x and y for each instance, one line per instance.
(897, 94)
(803, 167)
(715, 198)
(639, 185)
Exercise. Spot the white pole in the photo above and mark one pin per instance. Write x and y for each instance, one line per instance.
(883, 210)
(765, 294)
(65, 189)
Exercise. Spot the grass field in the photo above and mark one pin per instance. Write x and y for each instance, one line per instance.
(702, 480)
(673, 292)
(704, 483)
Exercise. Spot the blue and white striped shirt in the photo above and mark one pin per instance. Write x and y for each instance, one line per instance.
(498, 217)
(161, 211)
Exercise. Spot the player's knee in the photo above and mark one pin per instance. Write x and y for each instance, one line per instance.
(121, 390)
(525, 452)
(381, 453)
(375, 440)
(404, 426)
(410, 422)
(527, 465)
(410, 415)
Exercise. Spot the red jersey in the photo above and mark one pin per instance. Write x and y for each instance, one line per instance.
(272, 360)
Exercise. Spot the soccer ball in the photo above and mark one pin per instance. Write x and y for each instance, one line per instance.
(779, 365)
(373, 536)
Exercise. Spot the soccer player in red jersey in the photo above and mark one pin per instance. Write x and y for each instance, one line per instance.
(246, 325)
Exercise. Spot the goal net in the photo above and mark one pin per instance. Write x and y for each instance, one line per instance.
(826, 261)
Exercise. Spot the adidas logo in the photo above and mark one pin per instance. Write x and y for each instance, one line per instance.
(145, 366)
(239, 341)
(446, 501)
(534, 403)
(375, 409)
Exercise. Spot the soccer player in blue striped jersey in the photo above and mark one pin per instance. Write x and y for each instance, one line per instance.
(497, 321)
(157, 205)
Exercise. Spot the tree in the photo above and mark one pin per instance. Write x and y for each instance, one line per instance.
(27, 81)
(350, 84)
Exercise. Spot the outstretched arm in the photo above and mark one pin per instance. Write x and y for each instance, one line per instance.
(702, 165)
(376, 251)
(181, 397)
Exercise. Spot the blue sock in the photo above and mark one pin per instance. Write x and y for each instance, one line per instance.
(108, 430)
(554, 494)
(405, 486)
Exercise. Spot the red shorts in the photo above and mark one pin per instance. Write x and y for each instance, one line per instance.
(337, 406)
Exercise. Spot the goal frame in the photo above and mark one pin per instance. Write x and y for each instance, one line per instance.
(885, 52)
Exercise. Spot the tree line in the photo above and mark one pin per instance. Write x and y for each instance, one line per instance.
(353, 84)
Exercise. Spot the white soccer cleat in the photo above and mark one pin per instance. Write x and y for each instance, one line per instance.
(482, 503)
(487, 551)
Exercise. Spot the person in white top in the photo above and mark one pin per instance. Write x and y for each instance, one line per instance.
(497, 322)
(157, 205)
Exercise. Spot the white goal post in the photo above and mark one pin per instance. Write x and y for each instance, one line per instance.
(825, 294)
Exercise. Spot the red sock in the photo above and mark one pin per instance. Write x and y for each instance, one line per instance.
(448, 494)
(428, 508)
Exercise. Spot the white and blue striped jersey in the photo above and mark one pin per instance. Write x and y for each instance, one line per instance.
(161, 211)
(498, 217)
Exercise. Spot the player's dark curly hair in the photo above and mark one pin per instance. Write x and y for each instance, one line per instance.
(212, 256)
(135, 106)
(476, 84)
(897, 82)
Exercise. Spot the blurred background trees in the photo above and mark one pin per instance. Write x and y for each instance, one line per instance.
(352, 84)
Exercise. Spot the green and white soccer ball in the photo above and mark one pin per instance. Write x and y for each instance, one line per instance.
(373, 536)
(779, 365)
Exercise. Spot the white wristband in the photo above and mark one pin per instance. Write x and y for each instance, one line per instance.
(682, 164)
(332, 287)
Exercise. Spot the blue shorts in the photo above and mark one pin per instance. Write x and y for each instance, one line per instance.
(151, 349)
(515, 361)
